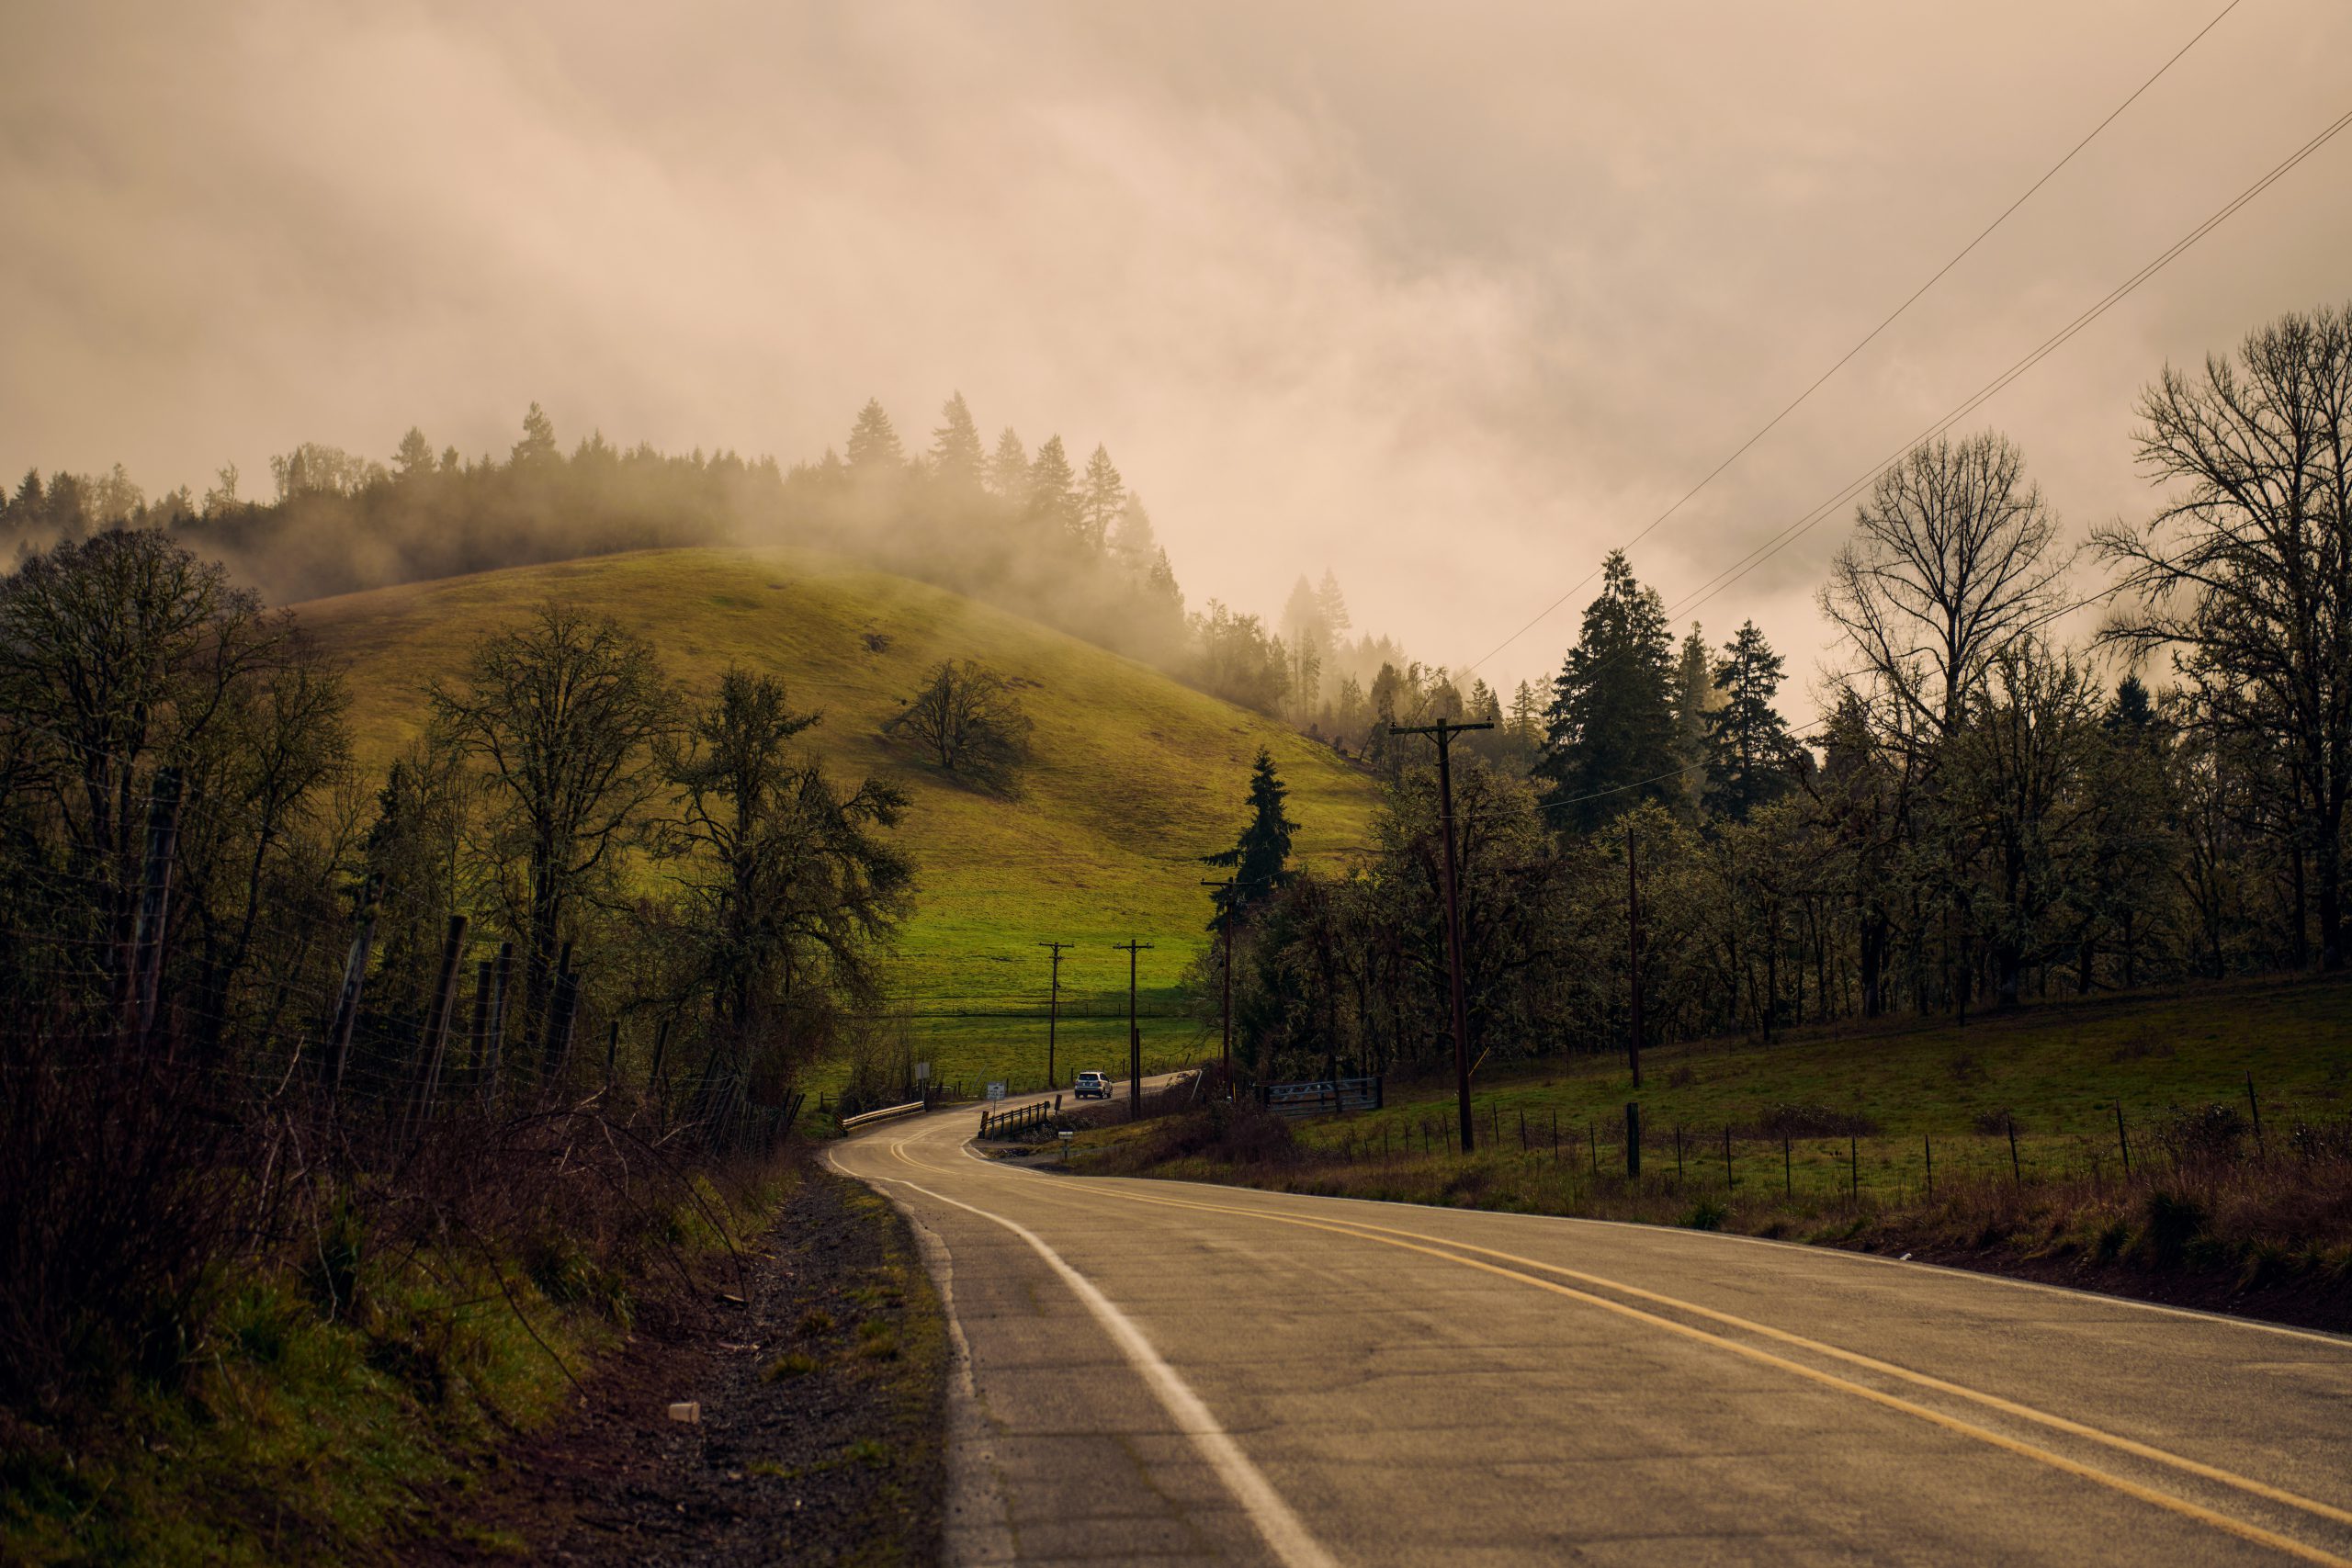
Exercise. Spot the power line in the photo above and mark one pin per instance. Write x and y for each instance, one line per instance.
(2049, 345)
(1867, 338)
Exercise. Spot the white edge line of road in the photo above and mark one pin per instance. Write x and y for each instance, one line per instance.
(1284, 1532)
(2072, 1292)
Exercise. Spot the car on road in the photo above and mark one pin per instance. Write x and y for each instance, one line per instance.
(1092, 1085)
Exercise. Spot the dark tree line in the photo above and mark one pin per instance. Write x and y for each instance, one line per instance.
(1980, 819)
(184, 827)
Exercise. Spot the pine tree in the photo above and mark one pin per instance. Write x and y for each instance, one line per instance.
(1009, 468)
(1259, 859)
(874, 449)
(1609, 733)
(1749, 751)
(414, 457)
(1304, 641)
(1053, 488)
(1526, 714)
(956, 458)
(537, 445)
(1100, 500)
(1694, 699)
(1333, 606)
(1134, 544)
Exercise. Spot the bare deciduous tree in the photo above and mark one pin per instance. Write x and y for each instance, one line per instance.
(2245, 570)
(561, 714)
(1955, 557)
(968, 719)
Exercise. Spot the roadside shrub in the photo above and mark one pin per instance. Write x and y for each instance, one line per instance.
(115, 1207)
(2173, 1221)
(2203, 1135)
(1706, 1214)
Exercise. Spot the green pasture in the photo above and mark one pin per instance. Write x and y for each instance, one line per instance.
(1136, 775)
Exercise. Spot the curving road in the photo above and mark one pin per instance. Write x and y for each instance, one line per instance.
(1175, 1373)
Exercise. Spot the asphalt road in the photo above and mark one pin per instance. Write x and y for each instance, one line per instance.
(1172, 1373)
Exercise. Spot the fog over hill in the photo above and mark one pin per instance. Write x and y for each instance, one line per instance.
(1449, 306)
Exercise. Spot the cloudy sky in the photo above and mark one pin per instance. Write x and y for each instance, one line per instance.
(1448, 299)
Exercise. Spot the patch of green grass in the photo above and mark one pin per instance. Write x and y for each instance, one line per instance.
(2179, 1063)
(1135, 776)
(791, 1364)
(322, 1428)
(815, 1321)
(1916, 1087)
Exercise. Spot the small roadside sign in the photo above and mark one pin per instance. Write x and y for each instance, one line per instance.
(922, 1071)
(996, 1091)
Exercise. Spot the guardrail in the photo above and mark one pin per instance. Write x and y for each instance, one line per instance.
(1322, 1099)
(1007, 1123)
(885, 1114)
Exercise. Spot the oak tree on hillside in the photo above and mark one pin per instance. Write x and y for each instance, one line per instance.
(968, 720)
(792, 883)
(558, 717)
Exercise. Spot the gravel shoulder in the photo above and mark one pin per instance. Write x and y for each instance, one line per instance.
(819, 1366)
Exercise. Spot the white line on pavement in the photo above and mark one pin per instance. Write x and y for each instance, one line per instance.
(1285, 1533)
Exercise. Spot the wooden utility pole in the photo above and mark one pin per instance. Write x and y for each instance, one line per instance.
(1134, 1036)
(1634, 953)
(1054, 1009)
(1445, 730)
(1232, 911)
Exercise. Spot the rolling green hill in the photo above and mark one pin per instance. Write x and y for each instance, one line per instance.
(1136, 775)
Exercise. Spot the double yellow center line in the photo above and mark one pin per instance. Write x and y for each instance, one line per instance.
(1515, 1267)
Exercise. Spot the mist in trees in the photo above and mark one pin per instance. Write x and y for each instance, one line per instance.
(1982, 816)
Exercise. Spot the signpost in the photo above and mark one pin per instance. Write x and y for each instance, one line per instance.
(922, 1072)
(995, 1091)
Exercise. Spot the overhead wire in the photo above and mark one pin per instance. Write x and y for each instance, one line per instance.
(1870, 336)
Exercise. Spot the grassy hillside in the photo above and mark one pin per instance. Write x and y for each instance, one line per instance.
(1136, 776)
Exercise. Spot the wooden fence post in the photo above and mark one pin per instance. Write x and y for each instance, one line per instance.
(502, 979)
(436, 1020)
(477, 1037)
(346, 1007)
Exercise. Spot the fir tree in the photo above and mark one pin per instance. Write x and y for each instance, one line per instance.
(956, 458)
(1750, 749)
(1053, 488)
(538, 446)
(874, 446)
(414, 456)
(1134, 544)
(1333, 604)
(1259, 859)
(1608, 734)
(1009, 468)
(1100, 500)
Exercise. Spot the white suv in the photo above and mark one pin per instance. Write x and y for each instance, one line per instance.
(1092, 1085)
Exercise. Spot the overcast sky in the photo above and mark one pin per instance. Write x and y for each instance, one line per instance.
(1447, 298)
